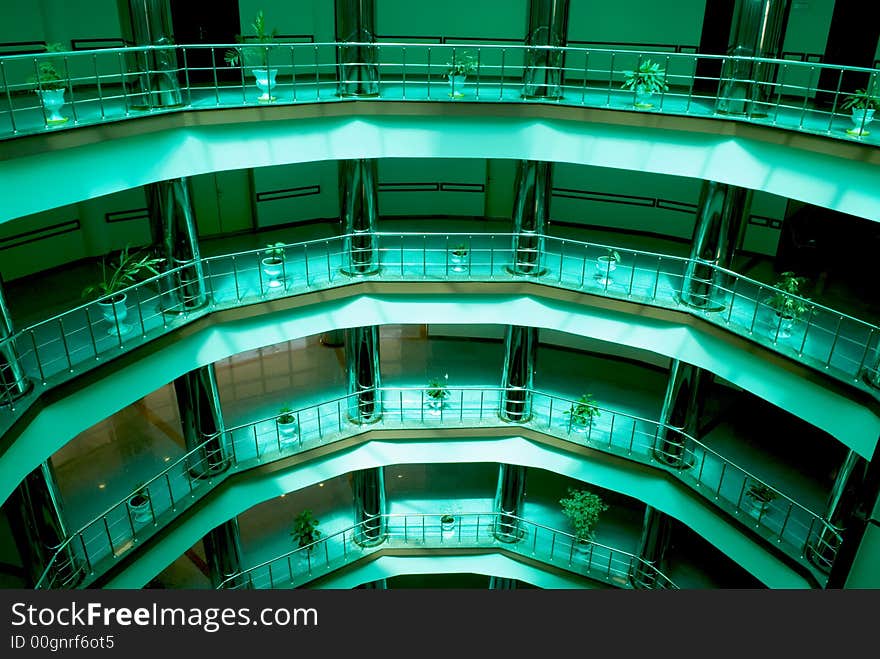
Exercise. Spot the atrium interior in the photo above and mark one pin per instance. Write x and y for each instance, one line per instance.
(544, 294)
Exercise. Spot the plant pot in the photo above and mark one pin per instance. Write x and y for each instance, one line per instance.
(287, 430)
(758, 507)
(456, 85)
(643, 98)
(53, 101)
(459, 261)
(115, 312)
(782, 327)
(579, 425)
(605, 265)
(860, 119)
(435, 403)
(447, 522)
(273, 268)
(139, 505)
(265, 83)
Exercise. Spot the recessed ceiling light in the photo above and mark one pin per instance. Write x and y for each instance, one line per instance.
(101, 486)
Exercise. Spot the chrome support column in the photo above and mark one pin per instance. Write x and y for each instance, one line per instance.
(682, 407)
(547, 26)
(36, 516)
(531, 210)
(502, 583)
(517, 379)
(359, 205)
(223, 552)
(720, 219)
(368, 490)
(357, 65)
(172, 218)
(508, 504)
(198, 401)
(758, 30)
(13, 382)
(656, 530)
(844, 498)
(362, 365)
(151, 25)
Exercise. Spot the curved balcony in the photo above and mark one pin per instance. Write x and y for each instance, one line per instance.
(121, 83)
(800, 533)
(504, 533)
(57, 349)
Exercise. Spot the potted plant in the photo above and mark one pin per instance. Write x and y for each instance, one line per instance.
(447, 522)
(457, 70)
(255, 58)
(50, 86)
(582, 412)
(437, 392)
(286, 422)
(788, 303)
(645, 81)
(273, 264)
(606, 264)
(760, 496)
(139, 505)
(459, 255)
(119, 274)
(861, 104)
(582, 508)
(305, 530)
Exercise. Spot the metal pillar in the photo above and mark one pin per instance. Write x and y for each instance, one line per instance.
(844, 498)
(13, 382)
(531, 210)
(517, 379)
(720, 218)
(172, 218)
(509, 496)
(157, 82)
(198, 401)
(547, 26)
(223, 552)
(758, 30)
(357, 65)
(368, 490)
(362, 365)
(680, 415)
(502, 583)
(36, 516)
(656, 529)
(359, 204)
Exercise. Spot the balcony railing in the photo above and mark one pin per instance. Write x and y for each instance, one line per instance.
(775, 516)
(59, 348)
(467, 530)
(120, 83)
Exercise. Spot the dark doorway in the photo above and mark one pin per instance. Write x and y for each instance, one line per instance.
(852, 41)
(717, 21)
(194, 24)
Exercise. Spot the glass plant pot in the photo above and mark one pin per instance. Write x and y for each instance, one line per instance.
(273, 268)
(115, 311)
(605, 266)
(579, 424)
(456, 85)
(644, 98)
(447, 523)
(287, 430)
(782, 326)
(139, 505)
(53, 101)
(435, 403)
(861, 119)
(265, 83)
(459, 261)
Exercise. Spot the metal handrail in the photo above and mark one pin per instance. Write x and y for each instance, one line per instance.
(234, 581)
(27, 335)
(76, 542)
(118, 62)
